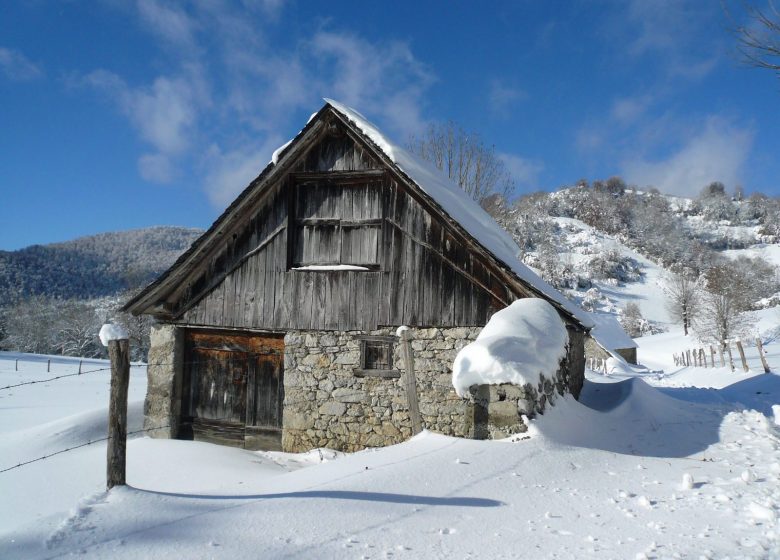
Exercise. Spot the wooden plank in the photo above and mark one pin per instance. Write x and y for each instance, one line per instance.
(319, 301)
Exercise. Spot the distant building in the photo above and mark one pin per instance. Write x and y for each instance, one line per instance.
(607, 338)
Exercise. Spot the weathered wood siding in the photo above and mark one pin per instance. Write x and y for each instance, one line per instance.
(425, 273)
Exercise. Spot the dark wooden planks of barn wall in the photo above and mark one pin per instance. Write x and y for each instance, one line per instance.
(426, 276)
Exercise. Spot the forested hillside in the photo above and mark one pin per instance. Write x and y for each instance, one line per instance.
(704, 263)
(93, 266)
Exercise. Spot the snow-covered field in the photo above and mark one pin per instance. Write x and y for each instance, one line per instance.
(644, 466)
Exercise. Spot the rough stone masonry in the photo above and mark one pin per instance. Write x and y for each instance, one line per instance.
(327, 405)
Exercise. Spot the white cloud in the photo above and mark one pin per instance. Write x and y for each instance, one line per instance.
(383, 79)
(627, 110)
(717, 152)
(230, 172)
(501, 97)
(156, 168)
(524, 171)
(18, 67)
(164, 113)
(168, 22)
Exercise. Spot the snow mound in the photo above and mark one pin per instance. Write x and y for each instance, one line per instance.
(518, 345)
(110, 331)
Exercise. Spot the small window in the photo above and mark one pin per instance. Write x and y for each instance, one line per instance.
(376, 357)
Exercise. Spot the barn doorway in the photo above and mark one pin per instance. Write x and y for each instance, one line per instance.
(233, 388)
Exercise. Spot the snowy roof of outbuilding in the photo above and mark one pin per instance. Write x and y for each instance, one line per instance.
(461, 208)
(609, 334)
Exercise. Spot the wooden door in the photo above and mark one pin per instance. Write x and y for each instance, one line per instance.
(233, 388)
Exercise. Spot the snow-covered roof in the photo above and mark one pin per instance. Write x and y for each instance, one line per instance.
(460, 207)
(609, 334)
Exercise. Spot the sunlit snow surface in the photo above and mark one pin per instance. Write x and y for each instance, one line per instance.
(630, 470)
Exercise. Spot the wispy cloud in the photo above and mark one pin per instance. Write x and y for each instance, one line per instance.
(525, 171)
(169, 22)
(17, 67)
(229, 172)
(627, 110)
(717, 151)
(674, 29)
(384, 79)
(164, 113)
(224, 81)
(502, 97)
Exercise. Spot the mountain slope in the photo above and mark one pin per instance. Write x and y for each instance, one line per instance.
(92, 266)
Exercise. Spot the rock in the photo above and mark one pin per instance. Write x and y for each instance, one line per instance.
(333, 408)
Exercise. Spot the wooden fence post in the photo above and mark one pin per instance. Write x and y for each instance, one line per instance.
(48, 366)
(742, 355)
(116, 454)
(411, 384)
(16, 365)
(712, 355)
(702, 357)
(731, 358)
(761, 354)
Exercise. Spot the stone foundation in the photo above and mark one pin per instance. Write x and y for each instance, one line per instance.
(162, 407)
(327, 405)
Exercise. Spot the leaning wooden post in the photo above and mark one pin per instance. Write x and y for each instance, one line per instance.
(119, 353)
(731, 358)
(761, 354)
(742, 355)
(702, 357)
(411, 382)
(712, 355)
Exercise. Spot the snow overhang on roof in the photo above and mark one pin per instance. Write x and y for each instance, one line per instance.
(478, 223)
(609, 334)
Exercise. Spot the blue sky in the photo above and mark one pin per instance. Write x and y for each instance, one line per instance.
(117, 115)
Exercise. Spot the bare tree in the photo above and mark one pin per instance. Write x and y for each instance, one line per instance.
(684, 298)
(759, 39)
(465, 159)
(632, 321)
(721, 319)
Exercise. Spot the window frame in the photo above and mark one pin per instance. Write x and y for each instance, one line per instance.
(372, 179)
(387, 373)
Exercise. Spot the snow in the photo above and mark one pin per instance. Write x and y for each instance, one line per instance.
(460, 207)
(277, 152)
(330, 267)
(519, 344)
(609, 334)
(110, 331)
(598, 478)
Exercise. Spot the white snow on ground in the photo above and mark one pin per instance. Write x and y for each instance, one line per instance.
(630, 471)
(518, 345)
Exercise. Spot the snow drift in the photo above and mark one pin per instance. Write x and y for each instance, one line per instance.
(518, 345)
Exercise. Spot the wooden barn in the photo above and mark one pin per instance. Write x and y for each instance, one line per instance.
(277, 328)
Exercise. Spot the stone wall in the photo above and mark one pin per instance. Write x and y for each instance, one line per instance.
(327, 405)
(162, 407)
